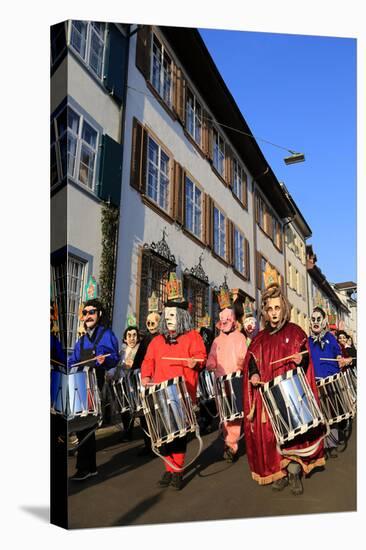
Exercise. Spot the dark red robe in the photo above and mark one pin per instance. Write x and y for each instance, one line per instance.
(265, 462)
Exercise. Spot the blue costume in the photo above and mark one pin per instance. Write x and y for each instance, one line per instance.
(101, 342)
(327, 347)
(56, 350)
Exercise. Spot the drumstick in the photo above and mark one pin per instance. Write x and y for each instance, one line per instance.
(328, 359)
(289, 357)
(58, 363)
(184, 359)
(91, 359)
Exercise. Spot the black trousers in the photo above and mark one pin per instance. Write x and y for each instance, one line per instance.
(87, 452)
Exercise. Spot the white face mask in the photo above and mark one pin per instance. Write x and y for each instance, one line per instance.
(317, 322)
(170, 315)
(152, 322)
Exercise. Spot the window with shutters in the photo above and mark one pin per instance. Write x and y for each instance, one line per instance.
(219, 233)
(74, 147)
(194, 117)
(239, 251)
(158, 174)
(161, 71)
(193, 208)
(87, 40)
(218, 158)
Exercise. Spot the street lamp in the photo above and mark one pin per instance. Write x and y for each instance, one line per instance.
(294, 158)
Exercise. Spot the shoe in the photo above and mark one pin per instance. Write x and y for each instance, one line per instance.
(295, 484)
(229, 455)
(165, 480)
(280, 484)
(81, 475)
(177, 481)
(331, 452)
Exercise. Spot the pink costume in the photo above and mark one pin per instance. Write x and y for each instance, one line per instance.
(227, 355)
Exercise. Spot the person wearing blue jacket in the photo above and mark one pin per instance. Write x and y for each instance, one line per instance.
(98, 342)
(323, 345)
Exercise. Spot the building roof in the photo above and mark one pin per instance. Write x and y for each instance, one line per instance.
(349, 285)
(298, 219)
(199, 66)
(321, 280)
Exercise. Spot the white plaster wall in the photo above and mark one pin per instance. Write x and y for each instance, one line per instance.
(84, 225)
(140, 224)
(59, 220)
(59, 85)
(93, 98)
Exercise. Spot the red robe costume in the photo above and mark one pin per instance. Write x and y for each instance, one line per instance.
(189, 344)
(266, 464)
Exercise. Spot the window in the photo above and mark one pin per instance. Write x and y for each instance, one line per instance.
(219, 233)
(218, 153)
(193, 208)
(194, 117)
(239, 252)
(158, 172)
(196, 293)
(238, 180)
(276, 233)
(87, 39)
(69, 294)
(154, 276)
(161, 71)
(74, 146)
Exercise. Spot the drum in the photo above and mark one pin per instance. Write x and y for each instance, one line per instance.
(206, 386)
(168, 411)
(76, 397)
(351, 381)
(291, 405)
(335, 398)
(133, 382)
(229, 396)
(121, 393)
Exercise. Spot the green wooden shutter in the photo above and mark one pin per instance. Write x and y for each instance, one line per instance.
(115, 68)
(110, 176)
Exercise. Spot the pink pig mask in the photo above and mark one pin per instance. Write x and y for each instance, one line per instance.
(227, 320)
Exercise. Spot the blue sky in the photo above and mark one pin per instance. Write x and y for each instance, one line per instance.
(300, 92)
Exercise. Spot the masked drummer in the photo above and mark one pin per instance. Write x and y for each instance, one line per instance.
(279, 339)
(227, 356)
(324, 350)
(176, 339)
(97, 342)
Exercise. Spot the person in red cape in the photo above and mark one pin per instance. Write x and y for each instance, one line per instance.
(278, 339)
(176, 339)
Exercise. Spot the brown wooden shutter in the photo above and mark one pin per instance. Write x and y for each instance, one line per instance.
(179, 193)
(259, 273)
(179, 102)
(228, 165)
(245, 189)
(207, 134)
(143, 50)
(138, 157)
(229, 242)
(256, 208)
(247, 259)
(208, 220)
(268, 222)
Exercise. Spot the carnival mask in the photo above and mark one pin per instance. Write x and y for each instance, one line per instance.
(227, 320)
(131, 338)
(152, 322)
(274, 311)
(317, 322)
(170, 316)
(250, 325)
